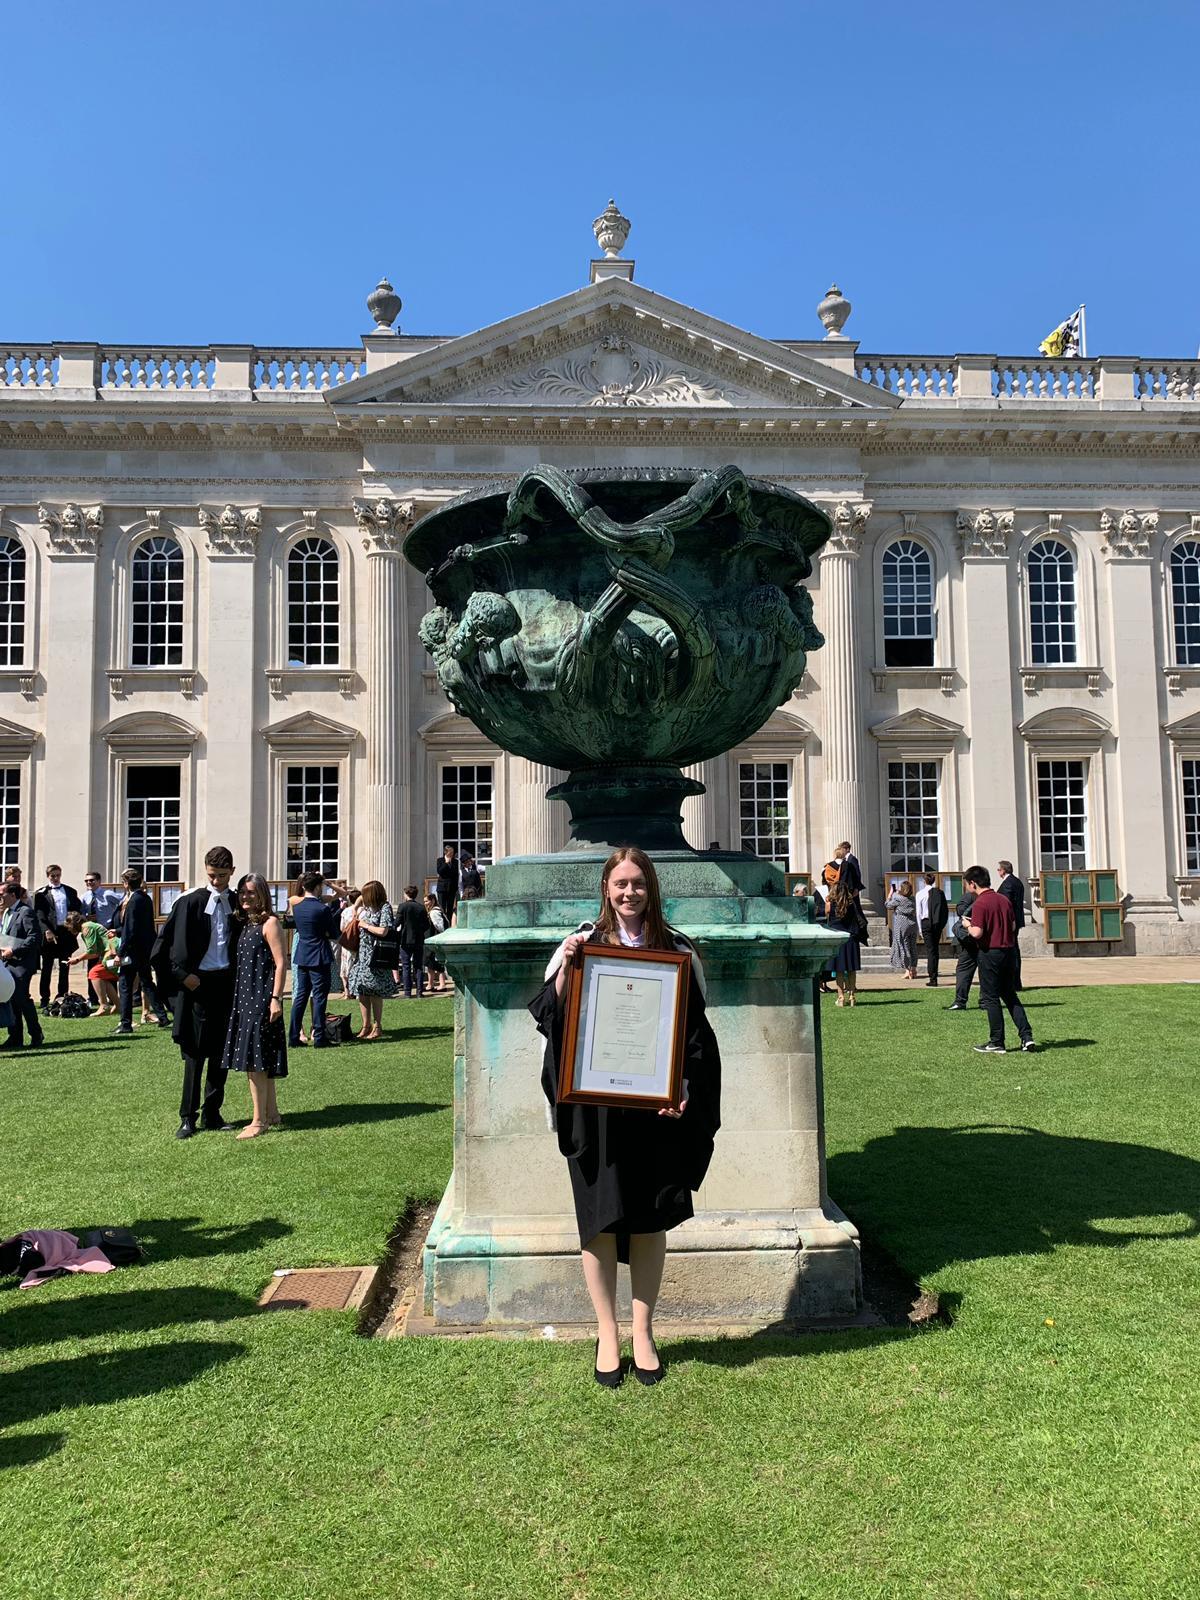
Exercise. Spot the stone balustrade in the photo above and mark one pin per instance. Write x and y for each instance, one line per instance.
(242, 371)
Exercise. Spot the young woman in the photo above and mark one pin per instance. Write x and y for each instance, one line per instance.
(369, 984)
(435, 971)
(255, 1043)
(632, 1172)
(843, 915)
(93, 941)
(349, 914)
(903, 907)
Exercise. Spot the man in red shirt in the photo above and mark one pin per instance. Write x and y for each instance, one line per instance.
(993, 927)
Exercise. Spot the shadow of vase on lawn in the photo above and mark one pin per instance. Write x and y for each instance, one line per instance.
(935, 1196)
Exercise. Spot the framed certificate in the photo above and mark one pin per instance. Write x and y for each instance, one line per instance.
(624, 1026)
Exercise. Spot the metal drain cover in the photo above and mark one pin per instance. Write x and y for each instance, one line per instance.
(318, 1289)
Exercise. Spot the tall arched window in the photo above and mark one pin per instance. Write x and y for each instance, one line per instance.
(1185, 602)
(313, 624)
(156, 609)
(1052, 625)
(12, 603)
(908, 624)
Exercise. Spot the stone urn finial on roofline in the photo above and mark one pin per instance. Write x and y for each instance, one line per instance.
(611, 230)
(385, 305)
(833, 311)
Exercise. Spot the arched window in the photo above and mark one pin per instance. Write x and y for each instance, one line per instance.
(908, 624)
(12, 603)
(1052, 627)
(156, 609)
(312, 604)
(1185, 602)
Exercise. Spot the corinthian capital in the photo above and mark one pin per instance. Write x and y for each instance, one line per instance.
(75, 530)
(1129, 535)
(985, 532)
(383, 524)
(231, 532)
(849, 525)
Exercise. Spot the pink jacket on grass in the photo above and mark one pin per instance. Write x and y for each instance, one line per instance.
(61, 1253)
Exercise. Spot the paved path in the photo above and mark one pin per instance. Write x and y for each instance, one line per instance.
(1065, 972)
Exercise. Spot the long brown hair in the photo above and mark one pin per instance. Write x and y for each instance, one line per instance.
(658, 934)
(261, 890)
(841, 901)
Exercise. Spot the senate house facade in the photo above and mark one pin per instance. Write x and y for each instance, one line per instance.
(209, 632)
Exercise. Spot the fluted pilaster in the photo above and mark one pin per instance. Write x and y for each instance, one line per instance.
(381, 853)
(706, 816)
(542, 826)
(840, 671)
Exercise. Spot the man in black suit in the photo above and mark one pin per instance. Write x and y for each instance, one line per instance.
(934, 914)
(447, 881)
(1013, 891)
(199, 945)
(135, 919)
(968, 953)
(849, 870)
(20, 948)
(51, 906)
(312, 958)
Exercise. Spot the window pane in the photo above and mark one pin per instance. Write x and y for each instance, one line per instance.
(765, 809)
(1051, 604)
(156, 618)
(1185, 602)
(908, 621)
(466, 811)
(312, 599)
(152, 812)
(1191, 814)
(914, 827)
(1062, 815)
(311, 821)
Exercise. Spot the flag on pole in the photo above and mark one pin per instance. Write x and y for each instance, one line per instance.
(1066, 338)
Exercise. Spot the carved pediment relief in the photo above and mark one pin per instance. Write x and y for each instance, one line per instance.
(309, 728)
(611, 345)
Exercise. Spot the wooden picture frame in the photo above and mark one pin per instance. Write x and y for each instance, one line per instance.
(791, 879)
(610, 1006)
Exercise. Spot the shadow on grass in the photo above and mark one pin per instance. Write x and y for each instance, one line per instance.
(345, 1116)
(35, 1321)
(22, 1449)
(1063, 1044)
(745, 1351)
(93, 1380)
(189, 1238)
(871, 997)
(425, 1031)
(938, 1195)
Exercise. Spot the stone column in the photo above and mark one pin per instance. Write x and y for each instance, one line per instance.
(72, 827)
(226, 812)
(383, 852)
(842, 702)
(540, 826)
(1141, 817)
(993, 830)
(707, 816)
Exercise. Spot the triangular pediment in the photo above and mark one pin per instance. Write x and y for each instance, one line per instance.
(612, 344)
(1185, 730)
(310, 728)
(917, 728)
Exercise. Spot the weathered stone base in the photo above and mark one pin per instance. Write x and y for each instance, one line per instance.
(745, 1268)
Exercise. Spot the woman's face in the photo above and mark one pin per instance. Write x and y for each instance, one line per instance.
(249, 901)
(627, 890)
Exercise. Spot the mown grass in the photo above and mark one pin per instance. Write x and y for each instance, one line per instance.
(162, 1438)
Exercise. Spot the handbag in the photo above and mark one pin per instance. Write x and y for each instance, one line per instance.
(386, 955)
(118, 1244)
(349, 938)
(337, 1028)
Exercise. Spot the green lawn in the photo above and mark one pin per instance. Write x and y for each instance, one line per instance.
(162, 1438)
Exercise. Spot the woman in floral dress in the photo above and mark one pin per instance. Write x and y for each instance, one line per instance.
(369, 984)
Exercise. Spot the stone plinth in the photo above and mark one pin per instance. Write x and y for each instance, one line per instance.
(766, 1245)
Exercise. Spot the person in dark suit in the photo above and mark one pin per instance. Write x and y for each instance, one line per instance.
(936, 915)
(52, 905)
(20, 949)
(447, 882)
(135, 922)
(413, 928)
(968, 953)
(1013, 891)
(198, 946)
(317, 929)
(849, 870)
(470, 878)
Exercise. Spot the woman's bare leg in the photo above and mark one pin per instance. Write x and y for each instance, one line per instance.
(647, 1253)
(258, 1093)
(600, 1274)
(271, 1105)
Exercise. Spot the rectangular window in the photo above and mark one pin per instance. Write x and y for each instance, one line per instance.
(152, 821)
(914, 826)
(1062, 815)
(467, 815)
(10, 816)
(1191, 815)
(765, 809)
(311, 810)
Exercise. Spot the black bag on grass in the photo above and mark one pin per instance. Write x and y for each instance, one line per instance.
(118, 1244)
(337, 1029)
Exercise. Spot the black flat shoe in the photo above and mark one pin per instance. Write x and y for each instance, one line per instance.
(186, 1129)
(609, 1380)
(649, 1375)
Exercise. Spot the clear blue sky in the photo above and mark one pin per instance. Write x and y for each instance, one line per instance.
(245, 172)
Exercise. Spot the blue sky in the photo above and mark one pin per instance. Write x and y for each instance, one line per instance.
(245, 172)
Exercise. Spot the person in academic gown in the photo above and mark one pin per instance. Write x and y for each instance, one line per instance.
(633, 1173)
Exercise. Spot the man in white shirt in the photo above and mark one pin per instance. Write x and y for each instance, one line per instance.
(51, 905)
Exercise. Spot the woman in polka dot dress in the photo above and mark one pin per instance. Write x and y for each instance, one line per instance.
(255, 1043)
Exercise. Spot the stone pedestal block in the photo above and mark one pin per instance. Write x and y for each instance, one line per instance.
(766, 1245)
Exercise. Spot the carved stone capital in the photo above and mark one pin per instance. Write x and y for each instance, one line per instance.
(985, 532)
(383, 524)
(849, 525)
(1127, 536)
(72, 531)
(231, 532)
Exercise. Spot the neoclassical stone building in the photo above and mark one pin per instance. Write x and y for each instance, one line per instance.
(208, 630)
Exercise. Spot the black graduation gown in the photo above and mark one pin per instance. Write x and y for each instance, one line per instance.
(634, 1171)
